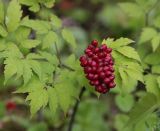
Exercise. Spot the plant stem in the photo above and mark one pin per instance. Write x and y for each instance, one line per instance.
(75, 109)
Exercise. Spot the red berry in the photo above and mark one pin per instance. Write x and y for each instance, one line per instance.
(102, 75)
(112, 85)
(106, 80)
(10, 106)
(109, 50)
(95, 43)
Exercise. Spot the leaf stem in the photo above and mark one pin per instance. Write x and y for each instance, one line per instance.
(75, 109)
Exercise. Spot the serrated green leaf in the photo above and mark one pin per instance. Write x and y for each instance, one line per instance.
(38, 99)
(64, 97)
(1, 12)
(19, 65)
(3, 32)
(36, 67)
(152, 59)
(129, 52)
(55, 21)
(27, 72)
(33, 85)
(156, 69)
(108, 41)
(33, 4)
(10, 68)
(125, 103)
(147, 34)
(13, 16)
(34, 56)
(142, 109)
(123, 76)
(13, 51)
(30, 43)
(22, 33)
(50, 58)
(53, 100)
(155, 42)
(50, 39)
(132, 9)
(134, 71)
(120, 42)
(40, 26)
(68, 36)
(152, 85)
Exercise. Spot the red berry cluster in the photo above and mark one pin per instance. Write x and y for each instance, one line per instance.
(98, 66)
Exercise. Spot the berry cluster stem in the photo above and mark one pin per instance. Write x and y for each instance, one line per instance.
(75, 109)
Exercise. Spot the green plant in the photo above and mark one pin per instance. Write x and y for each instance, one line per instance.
(31, 52)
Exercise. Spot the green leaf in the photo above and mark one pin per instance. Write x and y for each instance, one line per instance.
(123, 76)
(50, 39)
(13, 51)
(129, 52)
(158, 81)
(3, 32)
(1, 12)
(125, 103)
(49, 3)
(30, 43)
(53, 100)
(155, 42)
(157, 22)
(71, 61)
(132, 9)
(33, 4)
(68, 36)
(55, 21)
(142, 109)
(10, 68)
(135, 71)
(152, 85)
(36, 67)
(37, 100)
(152, 59)
(147, 34)
(119, 42)
(33, 85)
(34, 56)
(19, 64)
(50, 58)
(22, 33)
(13, 16)
(156, 69)
(27, 71)
(64, 97)
(40, 26)
(146, 5)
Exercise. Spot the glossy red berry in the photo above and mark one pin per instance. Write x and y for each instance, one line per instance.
(98, 67)
(10, 106)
